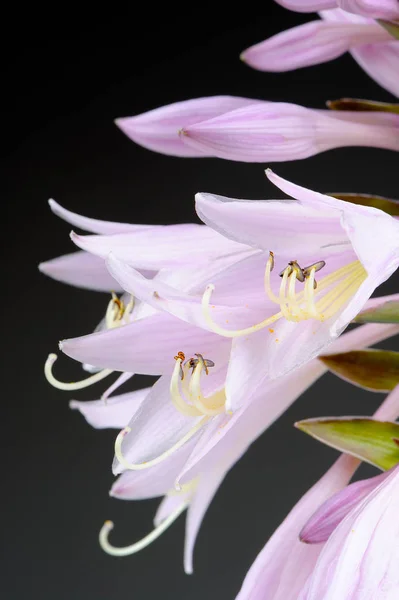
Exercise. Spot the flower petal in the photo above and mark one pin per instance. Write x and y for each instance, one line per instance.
(330, 514)
(115, 413)
(93, 225)
(374, 9)
(161, 247)
(381, 62)
(158, 129)
(311, 44)
(307, 5)
(152, 343)
(81, 269)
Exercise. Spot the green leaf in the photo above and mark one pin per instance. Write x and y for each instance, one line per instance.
(375, 442)
(391, 27)
(375, 370)
(358, 105)
(387, 312)
(388, 205)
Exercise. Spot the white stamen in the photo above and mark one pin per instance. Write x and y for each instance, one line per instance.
(75, 385)
(197, 397)
(145, 541)
(161, 457)
(176, 397)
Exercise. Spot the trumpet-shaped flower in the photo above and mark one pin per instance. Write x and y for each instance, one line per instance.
(197, 463)
(280, 132)
(158, 129)
(375, 9)
(286, 568)
(316, 42)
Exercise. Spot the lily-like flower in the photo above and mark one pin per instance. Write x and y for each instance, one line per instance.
(316, 42)
(286, 567)
(280, 132)
(158, 129)
(374, 9)
(361, 556)
(198, 463)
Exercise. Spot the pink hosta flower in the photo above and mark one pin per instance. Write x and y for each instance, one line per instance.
(280, 131)
(286, 566)
(360, 559)
(158, 129)
(375, 9)
(292, 325)
(320, 41)
(201, 463)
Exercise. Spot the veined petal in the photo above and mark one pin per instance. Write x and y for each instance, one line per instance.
(81, 269)
(360, 558)
(330, 514)
(115, 413)
(146, 346)
(283, 566)
(155, 427)
(150, 483)
(381, 62)
(278, 131)
(94, 225)
(158, 129)
(374, 9)
(276, 225)
(168, 245)
(311, 44)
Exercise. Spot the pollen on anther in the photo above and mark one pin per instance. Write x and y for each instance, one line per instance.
(271, 330)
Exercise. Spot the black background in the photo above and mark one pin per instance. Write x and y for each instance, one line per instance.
(64, 81)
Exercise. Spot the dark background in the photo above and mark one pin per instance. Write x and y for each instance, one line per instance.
(64, 81)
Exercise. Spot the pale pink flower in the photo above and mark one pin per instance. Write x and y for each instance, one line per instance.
(375, 9)
(199, 465)
(286, 567)
(319, 41)
(279, 132)
(158, 129)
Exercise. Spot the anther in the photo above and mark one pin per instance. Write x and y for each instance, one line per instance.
(182, 357)
(271, 258)
(205, 362)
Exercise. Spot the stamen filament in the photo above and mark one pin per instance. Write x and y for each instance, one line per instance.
(161, 457)
(75, 385)
(197, 397)
(123, 377)
(177, 399)
(268, 288)
(144, 542)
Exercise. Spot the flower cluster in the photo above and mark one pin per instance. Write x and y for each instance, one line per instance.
(239, 315)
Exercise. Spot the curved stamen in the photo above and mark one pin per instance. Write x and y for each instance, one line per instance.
(161, 457)
(197, 397)
(75, 385)
(176, 397)
(123, 377)
(309, 294)
(282, 293)
(144, 542)
(268, 287)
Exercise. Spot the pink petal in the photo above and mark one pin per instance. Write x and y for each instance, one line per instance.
(283, 566)
(307, 5)
(163, 247)
(361, 556)
(158, 129)
(116, 412)
(374, 9)
(81, 270)
(152, 343)
(281, 131)
(94, 225)
(330, 514)
(381, 62)
(311, 44)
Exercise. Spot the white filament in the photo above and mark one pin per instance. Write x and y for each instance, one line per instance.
(74, 385)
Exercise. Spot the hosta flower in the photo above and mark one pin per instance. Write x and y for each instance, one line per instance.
(158, 129)
(286, 567)
(375, 9)
(361, 556)
(279, 131)
(197, 464)
(376, 51)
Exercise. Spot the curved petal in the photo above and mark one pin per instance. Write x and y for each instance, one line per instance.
(330, 514)
(158, 129)
(146, 346)
(373, 9)
(311, 44)
(276, 225)
(381, 63)
(164, 247)
(81, 269)
(115, 413)
(307, 5)
(93, 225)
(283, 566)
